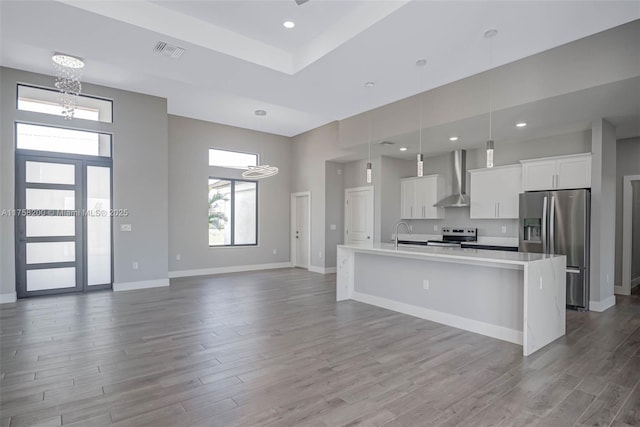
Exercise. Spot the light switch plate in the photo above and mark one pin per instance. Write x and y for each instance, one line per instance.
(504, 228)
(125, 227)
(332, 227)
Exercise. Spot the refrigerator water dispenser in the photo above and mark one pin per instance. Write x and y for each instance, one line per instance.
(532, 229)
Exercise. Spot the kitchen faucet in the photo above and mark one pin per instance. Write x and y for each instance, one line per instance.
(398, 226)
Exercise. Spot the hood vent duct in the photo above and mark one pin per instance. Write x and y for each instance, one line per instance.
(459, 198)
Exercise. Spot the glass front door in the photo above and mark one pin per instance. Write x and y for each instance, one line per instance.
(63, 225)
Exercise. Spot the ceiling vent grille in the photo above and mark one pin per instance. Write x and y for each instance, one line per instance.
(387, 143)
(170, 50)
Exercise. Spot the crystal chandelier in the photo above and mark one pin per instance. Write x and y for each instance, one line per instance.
(68, 72)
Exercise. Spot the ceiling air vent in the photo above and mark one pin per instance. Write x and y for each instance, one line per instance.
(170, 50)
(387, 143)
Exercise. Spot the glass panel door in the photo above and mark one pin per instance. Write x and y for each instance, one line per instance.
(49, 233)
(98, 225)
(63, 225)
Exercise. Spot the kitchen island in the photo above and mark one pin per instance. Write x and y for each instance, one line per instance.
(513, 296)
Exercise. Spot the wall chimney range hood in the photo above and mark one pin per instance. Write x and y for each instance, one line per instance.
(458, 199)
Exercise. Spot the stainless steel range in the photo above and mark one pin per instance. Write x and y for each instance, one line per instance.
(454, 237)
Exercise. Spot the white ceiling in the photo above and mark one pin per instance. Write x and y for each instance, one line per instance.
(240, 58)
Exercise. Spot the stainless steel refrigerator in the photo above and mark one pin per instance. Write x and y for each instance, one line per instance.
(557, 222)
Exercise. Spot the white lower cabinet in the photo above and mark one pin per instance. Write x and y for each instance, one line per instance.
(418, 195)
(495, 192)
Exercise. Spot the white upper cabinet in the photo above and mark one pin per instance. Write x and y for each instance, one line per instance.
(495, 192)
(418, 195)
(407, 198)
(556, 173)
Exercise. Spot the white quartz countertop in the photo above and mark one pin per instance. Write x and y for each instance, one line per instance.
(434, 252)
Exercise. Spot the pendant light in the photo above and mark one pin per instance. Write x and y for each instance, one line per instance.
(263, 170)
(420, 164)
(490, 34)
(369, 85)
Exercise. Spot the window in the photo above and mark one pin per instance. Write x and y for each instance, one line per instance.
(232, 159)
(60, 140)
(233, 212)
(41, 100)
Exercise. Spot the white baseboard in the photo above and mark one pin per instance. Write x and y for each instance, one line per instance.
(144, 284)
(601, 306)
(8, 298)
(322, 270)
(493, 331)
(230, 269)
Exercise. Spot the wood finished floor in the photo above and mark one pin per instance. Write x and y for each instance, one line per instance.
(273, 348)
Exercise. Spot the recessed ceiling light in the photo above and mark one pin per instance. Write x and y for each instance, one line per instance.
(288, 24)
(521, 124)
(403, 148)
(369, 84)
(453, 138)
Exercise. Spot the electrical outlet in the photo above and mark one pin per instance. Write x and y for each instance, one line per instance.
(411, 228)
(504, 229)
(178, 257)
(435, 227)
(425, 284)
(125, 227)
(135, 265)
(332, 227)
(320, 254)
(275, 252)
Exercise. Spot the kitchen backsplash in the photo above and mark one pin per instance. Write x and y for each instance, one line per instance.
(459, 217)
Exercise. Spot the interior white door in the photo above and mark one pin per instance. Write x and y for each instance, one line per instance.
(301, 231)
(359, 215)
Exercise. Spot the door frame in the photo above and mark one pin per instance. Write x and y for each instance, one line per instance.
(293, 223)
(370, 189)
(82, 162)
(627, 213)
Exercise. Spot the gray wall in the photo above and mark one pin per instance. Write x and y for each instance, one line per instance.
(140, 159)
(627, 163)
(309, 153)
(334, 211)
(189, 170)
(603, 205)
(562, 70)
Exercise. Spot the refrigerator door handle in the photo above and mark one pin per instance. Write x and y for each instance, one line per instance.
(574, 270)
(544, 225)
(552, 217)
